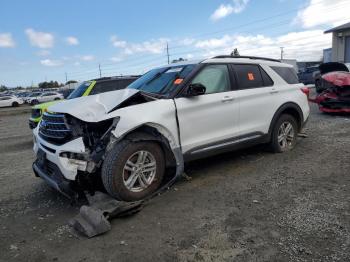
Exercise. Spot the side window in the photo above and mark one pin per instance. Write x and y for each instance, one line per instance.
(215, 78)
(288, 74)
(250, 76)
(266, 78)
(105, 86)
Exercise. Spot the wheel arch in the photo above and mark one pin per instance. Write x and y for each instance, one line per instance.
(159, 134)
(289, 108)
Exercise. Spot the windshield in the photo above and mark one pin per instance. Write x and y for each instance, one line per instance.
(80, 90)
(162, 80)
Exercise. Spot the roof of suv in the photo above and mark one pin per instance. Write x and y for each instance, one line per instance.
(116, 78)
(232, 59)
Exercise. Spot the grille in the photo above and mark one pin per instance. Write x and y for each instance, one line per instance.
(54, 129)
(36, 113)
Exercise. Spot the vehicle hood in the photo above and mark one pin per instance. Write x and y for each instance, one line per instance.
(46, 105)
(332, 67)
(93, 108)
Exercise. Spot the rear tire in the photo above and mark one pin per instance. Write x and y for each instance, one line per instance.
(123, 170)
(15, 104)
(284, 134)
(57, 99)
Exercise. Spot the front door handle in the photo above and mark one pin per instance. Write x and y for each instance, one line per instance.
(227, 99)
(274, 91)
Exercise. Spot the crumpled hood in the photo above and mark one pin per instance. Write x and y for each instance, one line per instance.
(93, 108)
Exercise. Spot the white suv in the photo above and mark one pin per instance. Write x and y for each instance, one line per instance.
(126, 139)
(44, 97)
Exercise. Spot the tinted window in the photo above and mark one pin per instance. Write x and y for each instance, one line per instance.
(287, 73)
(249, 76)
(5, 98)
(266, 78)
(215, 78)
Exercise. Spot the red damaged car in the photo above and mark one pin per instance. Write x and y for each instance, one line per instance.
(336, 96)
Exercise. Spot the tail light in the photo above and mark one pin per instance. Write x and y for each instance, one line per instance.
(306, 91)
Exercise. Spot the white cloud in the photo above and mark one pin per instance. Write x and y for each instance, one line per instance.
(43, 53)
(302, 45)
(225, 10)
(87, 58)
(40, 39)
(153, 46)
(6, 40)
(71, 40)
(117, 42)
(116, 59)
(324, 12)
(49, 62)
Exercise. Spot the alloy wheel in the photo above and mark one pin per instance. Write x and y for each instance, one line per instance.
(286, 136)
(139, 171)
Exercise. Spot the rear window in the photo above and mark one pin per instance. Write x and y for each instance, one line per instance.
(287, 73)
(252, 76)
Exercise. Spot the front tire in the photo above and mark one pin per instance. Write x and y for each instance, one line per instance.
(15, 104)
(284, 134)
(133, 170)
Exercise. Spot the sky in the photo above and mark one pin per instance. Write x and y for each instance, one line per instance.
(58, 40)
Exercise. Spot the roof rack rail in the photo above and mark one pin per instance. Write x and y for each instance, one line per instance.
(114, 77)
(250, 57)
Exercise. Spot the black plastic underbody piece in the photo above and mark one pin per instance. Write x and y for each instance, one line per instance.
(92, 220)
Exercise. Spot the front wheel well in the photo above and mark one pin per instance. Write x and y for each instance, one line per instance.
(147, 133)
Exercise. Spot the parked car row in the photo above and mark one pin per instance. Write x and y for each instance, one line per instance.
(123, 141)
(15, 99)
(91, 87)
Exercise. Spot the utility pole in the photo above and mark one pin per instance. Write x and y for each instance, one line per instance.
(99, 68)
(167, 52)
(282, 52)
(66, 77)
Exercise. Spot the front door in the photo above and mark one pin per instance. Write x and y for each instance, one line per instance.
(211, 117)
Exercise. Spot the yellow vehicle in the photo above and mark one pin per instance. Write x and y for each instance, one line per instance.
(92, 87)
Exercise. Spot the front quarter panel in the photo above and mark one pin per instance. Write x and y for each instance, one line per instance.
(160, 114)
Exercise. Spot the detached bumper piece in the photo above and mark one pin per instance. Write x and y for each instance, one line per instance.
(92, 220)
(53, 177)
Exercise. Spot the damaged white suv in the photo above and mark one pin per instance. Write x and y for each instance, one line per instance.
(124, 141)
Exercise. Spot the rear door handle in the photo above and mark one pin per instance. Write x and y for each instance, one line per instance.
(274, 91)
(227, 99)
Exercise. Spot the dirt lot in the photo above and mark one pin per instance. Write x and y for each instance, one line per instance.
(244, 206)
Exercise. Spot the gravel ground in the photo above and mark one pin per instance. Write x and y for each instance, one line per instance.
(249, 205)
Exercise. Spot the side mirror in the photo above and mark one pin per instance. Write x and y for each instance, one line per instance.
(196, 89)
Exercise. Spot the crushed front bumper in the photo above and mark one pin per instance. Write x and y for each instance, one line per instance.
(53, 154)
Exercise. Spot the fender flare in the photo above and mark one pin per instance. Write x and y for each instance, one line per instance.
(283, 108)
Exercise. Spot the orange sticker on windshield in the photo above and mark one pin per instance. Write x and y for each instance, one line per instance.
(251, 76)
(178, 81)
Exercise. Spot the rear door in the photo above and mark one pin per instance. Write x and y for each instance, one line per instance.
(257, 97)
(209, 120)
